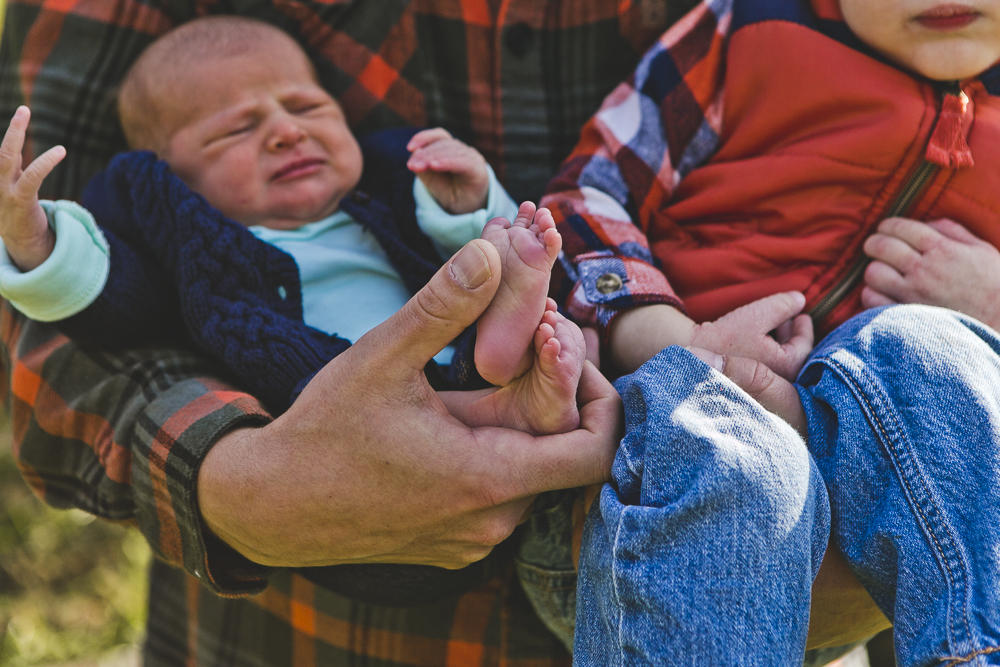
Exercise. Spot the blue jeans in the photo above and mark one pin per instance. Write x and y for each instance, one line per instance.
(703, 550)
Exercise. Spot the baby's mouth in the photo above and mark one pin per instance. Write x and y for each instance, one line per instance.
(298, 168)
(948, 17)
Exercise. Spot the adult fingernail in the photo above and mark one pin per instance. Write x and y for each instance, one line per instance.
(714, 360)
(470, 267)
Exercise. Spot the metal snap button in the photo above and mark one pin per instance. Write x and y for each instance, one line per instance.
(609, 283)
(282, 292)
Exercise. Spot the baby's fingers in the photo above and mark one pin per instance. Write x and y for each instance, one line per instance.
(31, 180)
(13, 142)
(426, 137)
(448, 157)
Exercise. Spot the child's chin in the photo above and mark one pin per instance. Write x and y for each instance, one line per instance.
(953, 61)
(308, 206)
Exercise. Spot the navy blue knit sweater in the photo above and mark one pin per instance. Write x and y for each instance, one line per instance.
(182, 271)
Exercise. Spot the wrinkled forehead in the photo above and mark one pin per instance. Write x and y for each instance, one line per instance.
(212, 84)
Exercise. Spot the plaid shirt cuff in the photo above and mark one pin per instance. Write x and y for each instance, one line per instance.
(610, 284)
(178, 429)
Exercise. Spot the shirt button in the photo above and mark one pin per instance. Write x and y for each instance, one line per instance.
(609, 283)
(519, 38)
(282, 292)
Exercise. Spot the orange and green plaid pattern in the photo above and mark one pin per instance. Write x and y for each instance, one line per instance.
(121, 435)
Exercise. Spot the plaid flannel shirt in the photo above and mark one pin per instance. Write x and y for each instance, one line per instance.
(122, 435)
(651, 131)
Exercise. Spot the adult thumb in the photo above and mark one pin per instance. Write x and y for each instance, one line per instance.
(452, 300)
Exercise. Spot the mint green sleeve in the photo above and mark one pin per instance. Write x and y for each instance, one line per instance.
(71, 278)
(451, 232)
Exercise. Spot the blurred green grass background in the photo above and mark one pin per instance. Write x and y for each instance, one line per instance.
(72, 588)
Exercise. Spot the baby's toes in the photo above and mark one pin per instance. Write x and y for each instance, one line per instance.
(543, 334)
(525, 214)
(549, 358)
(570, 337)
(552, 240)
(496, 232)
(543, 220)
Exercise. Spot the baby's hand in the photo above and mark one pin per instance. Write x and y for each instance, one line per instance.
(937, 263)
(453, 172)
(24, 226)
(744, 332)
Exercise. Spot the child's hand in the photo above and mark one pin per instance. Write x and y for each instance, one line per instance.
(24, 227)
(454, 173)
(744, 332)
(937, 263)
(637, 335)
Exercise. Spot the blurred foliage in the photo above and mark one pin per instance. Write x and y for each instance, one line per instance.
(72, 588)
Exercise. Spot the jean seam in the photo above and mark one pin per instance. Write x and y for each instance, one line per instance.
(618, 599)
(968, 658)
(957, 580)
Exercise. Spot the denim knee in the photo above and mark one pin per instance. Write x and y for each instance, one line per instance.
(708, 539)
(903, 405)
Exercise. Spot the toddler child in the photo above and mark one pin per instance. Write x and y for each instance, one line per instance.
(279, 260)
(764, 147)
(819, 152)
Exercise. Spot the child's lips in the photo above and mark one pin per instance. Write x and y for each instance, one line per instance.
(948, 17)
(298, 168)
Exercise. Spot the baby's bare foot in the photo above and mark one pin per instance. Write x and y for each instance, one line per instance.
(543, 400)
(528, 247)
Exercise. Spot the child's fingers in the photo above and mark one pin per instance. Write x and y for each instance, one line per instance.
(425, 137)
(871, 298)
(955, 231)
(919, 235)
(452, 164)
(29, 182)
(13, 141)
(797, 347)
(446, 147)
(427, 157)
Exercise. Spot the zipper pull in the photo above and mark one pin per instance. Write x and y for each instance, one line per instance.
(947, 146)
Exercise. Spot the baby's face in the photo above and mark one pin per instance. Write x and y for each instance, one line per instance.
(260, 139)
(940, 39)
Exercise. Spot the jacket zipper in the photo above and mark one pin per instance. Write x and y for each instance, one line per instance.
(907, 197)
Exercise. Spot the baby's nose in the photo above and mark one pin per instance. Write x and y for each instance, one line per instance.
(285, 134)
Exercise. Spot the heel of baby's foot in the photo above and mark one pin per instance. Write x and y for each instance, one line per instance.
(492, 364)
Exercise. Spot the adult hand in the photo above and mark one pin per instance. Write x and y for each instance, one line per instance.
(842, 612)
(937, 263)
(368, 466)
